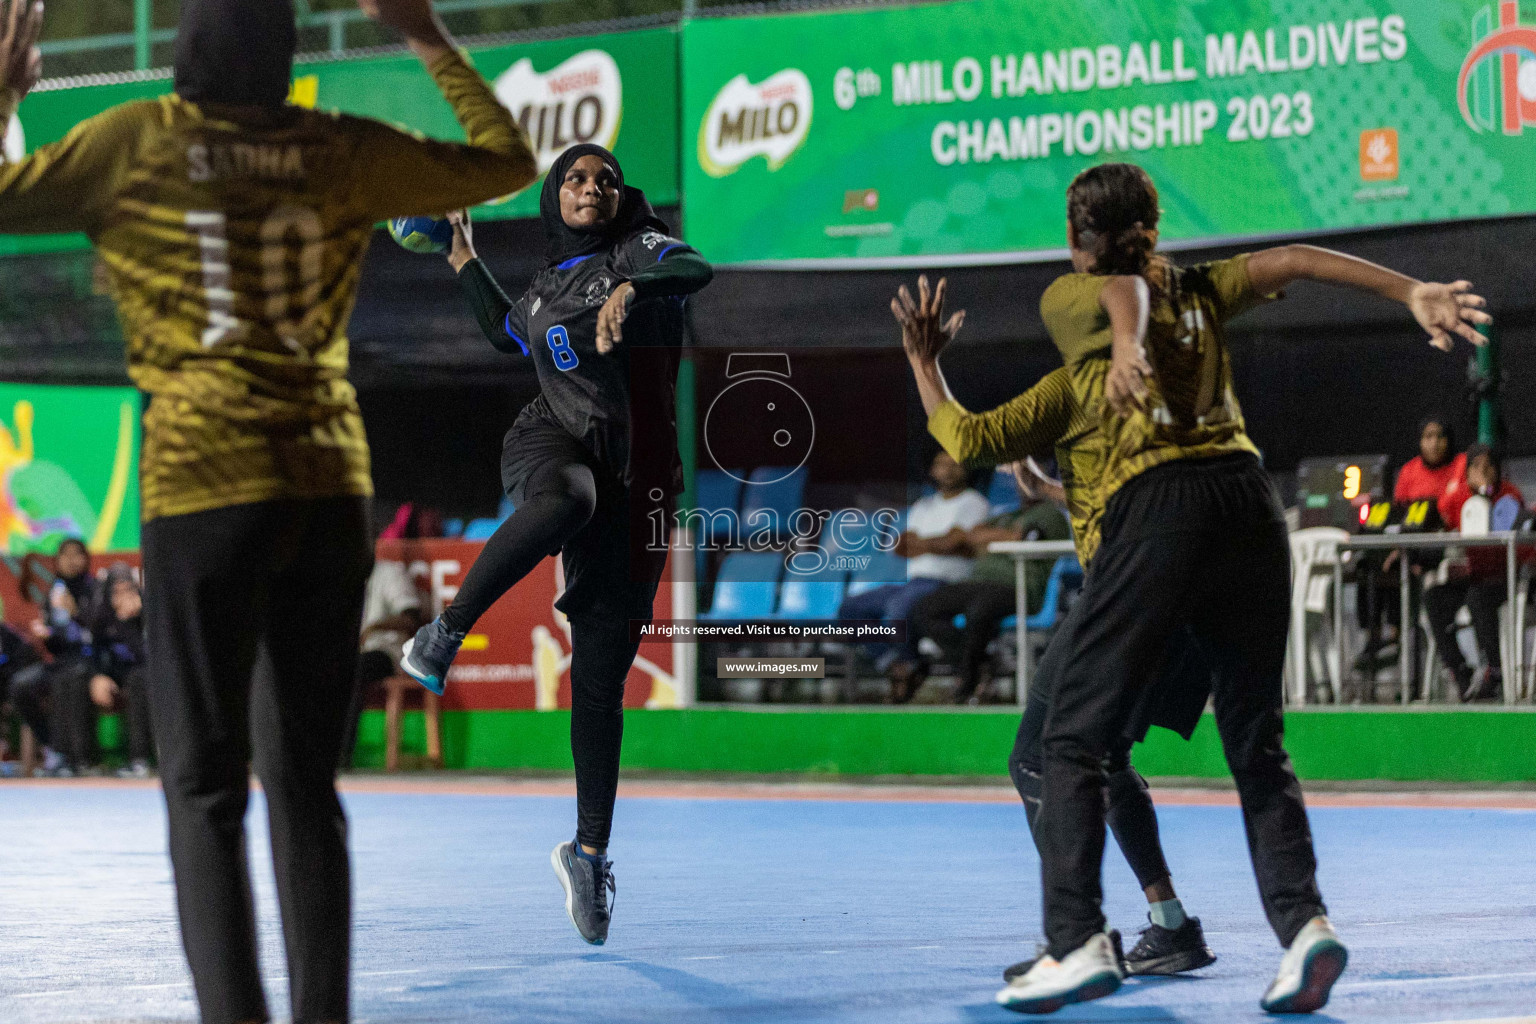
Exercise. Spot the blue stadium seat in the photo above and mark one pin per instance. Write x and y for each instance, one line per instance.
(1002, 492)
(715, 491)
(780, 498)
(884, 568)
(810, 599)
(747, 585)
(506, 508)
(453, 528)
(481, 529)
(1065, 575)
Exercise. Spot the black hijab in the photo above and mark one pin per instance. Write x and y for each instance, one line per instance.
(563, 242)
(235, 51)
(1450, 438)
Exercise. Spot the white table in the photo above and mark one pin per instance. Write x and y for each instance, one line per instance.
(1023, 552)
(1403, 543)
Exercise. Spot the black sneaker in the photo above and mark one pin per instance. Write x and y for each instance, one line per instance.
(587, 882)
(1170, 951)
(1021, 968)
(427, 656)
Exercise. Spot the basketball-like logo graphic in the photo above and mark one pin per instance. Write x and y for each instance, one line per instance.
(758, 419)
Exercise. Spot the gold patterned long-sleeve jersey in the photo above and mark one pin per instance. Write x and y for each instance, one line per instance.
(1191, 411)
(233, 250)
(1046, 415)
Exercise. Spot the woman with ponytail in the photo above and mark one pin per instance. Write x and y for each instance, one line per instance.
(1193, 538)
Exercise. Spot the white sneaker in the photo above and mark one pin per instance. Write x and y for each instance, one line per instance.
(1092, 971)
(1307, 971)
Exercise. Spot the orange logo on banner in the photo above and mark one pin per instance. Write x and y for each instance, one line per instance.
(1378, 154)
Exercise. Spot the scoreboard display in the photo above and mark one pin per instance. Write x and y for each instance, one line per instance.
(1340, 491)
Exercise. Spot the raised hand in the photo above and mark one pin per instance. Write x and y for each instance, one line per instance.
(463, 248)
(924, 331)
(414, 19)
(1446, 309)
(21, 62)
(610, 319)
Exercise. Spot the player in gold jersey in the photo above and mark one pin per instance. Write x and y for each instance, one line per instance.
(1192, 539)
(232, 227)
(1046, 415)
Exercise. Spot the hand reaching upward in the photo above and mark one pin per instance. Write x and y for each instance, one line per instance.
(924, 331)
(21, 62)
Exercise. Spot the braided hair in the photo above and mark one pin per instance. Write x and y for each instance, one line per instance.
(1113, 210)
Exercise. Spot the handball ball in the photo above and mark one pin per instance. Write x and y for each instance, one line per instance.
(422, 234)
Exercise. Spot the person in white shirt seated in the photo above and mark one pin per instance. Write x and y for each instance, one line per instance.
(937, 553)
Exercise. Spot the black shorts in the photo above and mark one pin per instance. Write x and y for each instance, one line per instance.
(614, 564)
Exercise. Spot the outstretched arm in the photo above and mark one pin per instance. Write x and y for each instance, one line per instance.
(924, 335)
(402, 174)
(493, 309)
(1441, 309)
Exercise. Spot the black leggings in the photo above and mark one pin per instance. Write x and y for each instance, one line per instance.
(559, 498)
(558, 508)
(1128, 810)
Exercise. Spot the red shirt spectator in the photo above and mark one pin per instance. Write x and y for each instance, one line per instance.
(1417, 480)
(1429, 473)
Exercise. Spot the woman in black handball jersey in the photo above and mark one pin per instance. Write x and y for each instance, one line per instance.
(587, 464)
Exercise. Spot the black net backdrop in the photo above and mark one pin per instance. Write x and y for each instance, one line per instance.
(1322, 372)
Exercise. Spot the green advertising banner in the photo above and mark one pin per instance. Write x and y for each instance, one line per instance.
(948, 133)
(618, 90)
(68, 467)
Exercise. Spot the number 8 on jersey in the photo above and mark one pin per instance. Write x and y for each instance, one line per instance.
(560, 347)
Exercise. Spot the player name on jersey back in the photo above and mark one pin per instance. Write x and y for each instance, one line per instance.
(228, 161)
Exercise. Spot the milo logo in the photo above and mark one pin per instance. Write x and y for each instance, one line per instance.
(769, 119)
(581, 99)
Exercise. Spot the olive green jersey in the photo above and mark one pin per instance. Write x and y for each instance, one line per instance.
(1044, 416)
(1191, 411)
(233, 250)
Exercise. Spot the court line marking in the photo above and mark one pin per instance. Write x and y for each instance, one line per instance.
(846, 792)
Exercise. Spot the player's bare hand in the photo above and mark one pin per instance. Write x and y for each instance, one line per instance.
(1447, 309)
(21, 62)
(463, 248)
(924, 330)
(1125, 389)
(414, 19)
(610, 319)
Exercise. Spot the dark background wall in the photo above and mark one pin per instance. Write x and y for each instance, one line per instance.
(1323, 372)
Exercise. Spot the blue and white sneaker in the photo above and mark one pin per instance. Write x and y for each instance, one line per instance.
(590, 891)
(1091, 971)
(1307, 971)
(427, 656)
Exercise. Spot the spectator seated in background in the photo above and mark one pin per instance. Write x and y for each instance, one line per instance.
(119, 683)
(392, 614)
(54, 700)
(937, 553)
(1425, 477)
(1478, 582)
(19, 660)
(987, 597)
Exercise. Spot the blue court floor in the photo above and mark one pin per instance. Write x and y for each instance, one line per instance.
(764, 911)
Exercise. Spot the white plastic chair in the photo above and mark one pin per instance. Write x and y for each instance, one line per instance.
(1314, 553)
